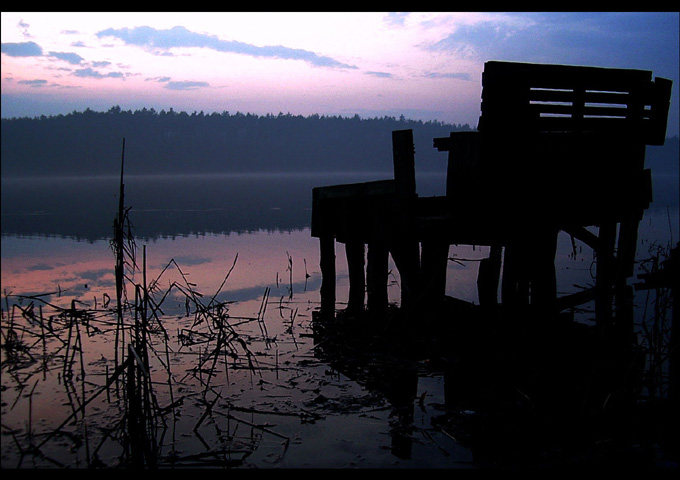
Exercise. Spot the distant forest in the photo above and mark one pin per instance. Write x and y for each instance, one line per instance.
(171, 142)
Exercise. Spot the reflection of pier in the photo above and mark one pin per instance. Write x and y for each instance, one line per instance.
(558, 148)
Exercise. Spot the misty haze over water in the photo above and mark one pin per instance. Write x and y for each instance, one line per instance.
(214, 173)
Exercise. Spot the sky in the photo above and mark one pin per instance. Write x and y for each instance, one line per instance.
(423, 65)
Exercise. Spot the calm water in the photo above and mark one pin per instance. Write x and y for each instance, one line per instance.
(55, 240)
(56, 232)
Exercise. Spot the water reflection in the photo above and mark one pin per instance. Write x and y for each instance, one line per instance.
(162, 206)
(56, 232)
(55, 240)
(170, 206)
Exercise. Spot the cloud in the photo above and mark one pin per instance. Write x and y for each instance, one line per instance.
(179, 37)
(178, 85)
(475, 41)
(90, 73)
(380, 74)
(39, 266)
(32, 49)
(186, 85)
(456, 76)
(33, 83)
(396, 18)
(158, 79)
(22, 49)
(23, 26)
(613, 39)
(72, 58)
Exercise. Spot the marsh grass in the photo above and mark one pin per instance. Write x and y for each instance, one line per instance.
(140, 378)
(656, 322)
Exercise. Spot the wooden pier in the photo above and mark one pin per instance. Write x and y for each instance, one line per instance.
(558, 148)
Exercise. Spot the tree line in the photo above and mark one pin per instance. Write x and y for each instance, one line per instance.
(171, 142)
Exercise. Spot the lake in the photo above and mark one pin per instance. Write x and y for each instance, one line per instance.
(242, 241)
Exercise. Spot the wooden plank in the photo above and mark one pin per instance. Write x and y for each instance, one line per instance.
(363, 189)
(464, 155)
(587, 110)
(563, 76)
(560, 95)
(336, 208)
(442, 144)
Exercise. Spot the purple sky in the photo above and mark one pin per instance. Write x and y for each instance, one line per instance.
(422, 65)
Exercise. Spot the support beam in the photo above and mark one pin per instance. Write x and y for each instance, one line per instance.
(529, 269)
(515, 283)
(404, 245)
(543, 278)
(434, 262)
(605, 274)
(327, 265)
(627, 246)
(489, 277)
(354, 250)
(376, 277)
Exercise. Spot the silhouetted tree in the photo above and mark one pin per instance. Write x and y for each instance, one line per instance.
(171, 142)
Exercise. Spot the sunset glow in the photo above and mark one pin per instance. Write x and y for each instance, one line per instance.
(421, 65)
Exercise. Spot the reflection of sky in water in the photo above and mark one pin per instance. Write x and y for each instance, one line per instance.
(40, 265)
(84, 270)
(248, 216)
(37, 265)
(56, 252)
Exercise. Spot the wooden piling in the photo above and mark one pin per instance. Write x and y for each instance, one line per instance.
(434, 262)
(627, 246)
(354, 250)
(404, 244)
(403, 152)
(605, 273)
(327, 265)
(376, 276)
(529, 269)
(515, 282)
(543, 278)
(489, 276)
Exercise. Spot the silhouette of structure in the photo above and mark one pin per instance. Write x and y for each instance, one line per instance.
(557, 148)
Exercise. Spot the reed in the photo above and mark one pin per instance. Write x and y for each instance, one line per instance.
(656, 323)
(141, 342)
